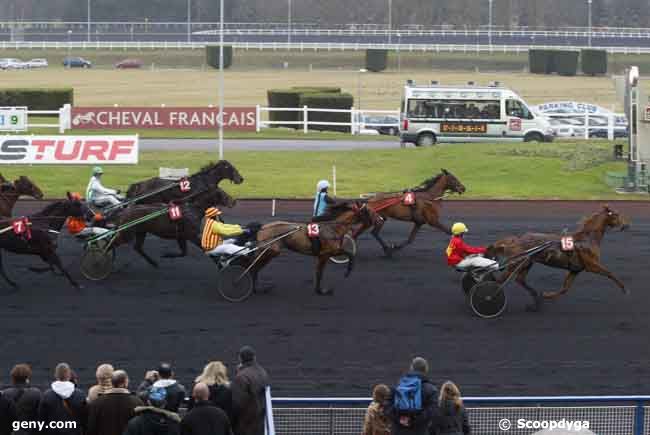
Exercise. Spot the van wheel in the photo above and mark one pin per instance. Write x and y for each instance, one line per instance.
(425, 140)
(534, 137)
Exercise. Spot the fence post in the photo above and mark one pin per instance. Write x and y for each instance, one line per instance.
(65, 118)
(305, 119)
(639, 419)
(257, 118)
(611, 121)
(586, 126)
(353, 124)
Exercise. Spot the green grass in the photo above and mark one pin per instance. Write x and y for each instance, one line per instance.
(522, 171)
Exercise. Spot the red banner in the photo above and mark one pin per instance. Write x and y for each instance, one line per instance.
(98, 118)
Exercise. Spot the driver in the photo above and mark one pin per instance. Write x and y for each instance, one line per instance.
(218, 238)
(464, 256)
(322, 199)
(99, 195)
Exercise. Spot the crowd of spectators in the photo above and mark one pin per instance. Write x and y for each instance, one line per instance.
(217, 406)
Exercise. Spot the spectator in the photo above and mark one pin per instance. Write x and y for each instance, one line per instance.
(205, 418)
(164, 378)
(7, 415)
(248, 394)
(215, 376)
(63, 402)
(452, 419)
(25, 397)
(111, 411)
(103, 375)
(407, 417)
(154, 419)
(150, 378)
(376, 422)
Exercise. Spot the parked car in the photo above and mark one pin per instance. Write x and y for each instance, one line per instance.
(9, 63)
(76, 62)
(129, 63)
(384, 124)
(37, 63)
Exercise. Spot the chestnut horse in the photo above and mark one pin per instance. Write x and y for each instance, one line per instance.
(585, 255)
(10, 194)
(425, 210)
(344, 216)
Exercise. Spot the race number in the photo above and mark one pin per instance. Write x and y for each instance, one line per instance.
(175, 212)
(409, 198)
(313, 230)
(185, 185)
(567, 244)
(21, 227)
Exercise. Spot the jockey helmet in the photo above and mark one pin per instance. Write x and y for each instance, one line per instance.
(97, 170)
(322, 184)
(212, 212)
(458, 228)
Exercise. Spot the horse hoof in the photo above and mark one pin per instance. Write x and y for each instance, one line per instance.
(324, 292)
(626, 292)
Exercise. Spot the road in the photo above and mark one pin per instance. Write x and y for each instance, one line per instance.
(264, 145)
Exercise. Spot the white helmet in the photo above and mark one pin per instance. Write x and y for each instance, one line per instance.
(322, 184)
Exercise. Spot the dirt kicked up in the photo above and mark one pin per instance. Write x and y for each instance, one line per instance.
(592, 341)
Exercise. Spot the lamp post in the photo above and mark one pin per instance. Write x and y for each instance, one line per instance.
(589, 2)
(221, 82)
(390, 21)
(189, 20)
(69, 48)
(88, 23)
(490, 24)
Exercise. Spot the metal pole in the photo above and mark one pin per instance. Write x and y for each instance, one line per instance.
(390, 20)
(289, 22)
(221, 82)
(69, 48)
(88, 38)
(490, 25)
(590, 21)
(189, 20)
(399, 54)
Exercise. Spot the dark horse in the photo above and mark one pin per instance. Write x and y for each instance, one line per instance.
(585, 255)
(343, 217)
(45, 224)
(425, 210)
(209, 175)
(188, 228)
(10, 194)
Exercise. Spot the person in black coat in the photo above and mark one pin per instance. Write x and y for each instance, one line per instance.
(205, 418)
(63, 402)
(7, 415)
(25, 397)
(452, 419)
(175, 391)
(154, 419)
(215, 376)
(415, 423)
(249, 394)
(111, 411)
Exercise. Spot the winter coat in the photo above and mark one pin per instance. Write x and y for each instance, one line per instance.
(375, 421)
(149, 420)
(26, 400)
(63, 402)
(249, 399)
(175, 393)
(205, 419)
(101, 388)
(451, 420)
(419, 423)
(109, 413)
(221, 397)
(7, 415)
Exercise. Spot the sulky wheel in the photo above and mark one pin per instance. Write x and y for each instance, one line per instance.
(350, 245)
(96, 262)
(468, 281)
(488, 300)
(235, 283)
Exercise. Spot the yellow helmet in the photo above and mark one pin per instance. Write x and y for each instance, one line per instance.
(458, 228)
(212, 212)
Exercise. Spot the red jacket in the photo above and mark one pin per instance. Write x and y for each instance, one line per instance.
(458, 250)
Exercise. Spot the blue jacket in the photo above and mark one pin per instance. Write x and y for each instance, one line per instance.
(320, 203)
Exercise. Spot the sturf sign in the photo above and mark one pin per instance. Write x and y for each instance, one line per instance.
(59, 150)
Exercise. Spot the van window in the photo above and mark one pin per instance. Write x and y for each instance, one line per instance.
(454, 109)
(517, 109)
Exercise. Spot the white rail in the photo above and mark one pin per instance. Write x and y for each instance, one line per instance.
(64, 118)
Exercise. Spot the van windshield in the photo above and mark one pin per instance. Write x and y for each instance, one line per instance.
(454, 109)
(518, 109)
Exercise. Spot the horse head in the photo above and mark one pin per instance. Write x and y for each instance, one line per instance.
(25, 186)
(221, 170)
(73, 206)
(452, 184)
(614, 219)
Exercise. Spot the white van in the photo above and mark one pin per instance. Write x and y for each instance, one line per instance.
(470, 113)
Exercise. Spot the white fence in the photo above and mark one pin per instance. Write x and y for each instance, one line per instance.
(63, 117)
(588, 126)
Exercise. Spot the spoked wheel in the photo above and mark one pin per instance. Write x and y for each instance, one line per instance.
(488, 300)
(469, 280)
(350, 245)
(96, 262)
(235, 283)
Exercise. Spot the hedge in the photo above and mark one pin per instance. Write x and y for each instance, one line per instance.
(212, 56)
(594, 62)
(538, 61)
(37, 99)
(376, 60)
(328, 101)
(291, 98)
(566, 62)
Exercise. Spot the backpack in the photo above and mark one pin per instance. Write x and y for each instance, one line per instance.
(408, 394)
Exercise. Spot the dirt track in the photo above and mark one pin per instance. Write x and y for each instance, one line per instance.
(593, 341)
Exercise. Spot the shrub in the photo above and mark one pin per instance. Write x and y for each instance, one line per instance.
(37, 99)
(594, 62)
(212, 56)
(376, 60)
(328, 101)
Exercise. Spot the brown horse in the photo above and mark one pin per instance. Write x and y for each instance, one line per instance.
(343, 217)
(425, 210)
(188, 228)
(9, 195)
(585, 255)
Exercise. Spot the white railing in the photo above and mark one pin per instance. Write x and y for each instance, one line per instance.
(64, 118)
(587, 126)
(357, 118)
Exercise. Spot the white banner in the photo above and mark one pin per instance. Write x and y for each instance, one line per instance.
(570, 107)
(65, 150)
(13, 118)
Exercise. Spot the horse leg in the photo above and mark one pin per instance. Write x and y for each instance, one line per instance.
(414, 232)
(139, 245)
(388, 249)
(350, 267)
(321, 262)
(4, 274)
(53, 259)
(568, 282)
(182, 245)
(261, 263)
(521, 280)
(599, 269)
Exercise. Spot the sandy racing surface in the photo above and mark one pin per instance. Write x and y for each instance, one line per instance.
(592, 341)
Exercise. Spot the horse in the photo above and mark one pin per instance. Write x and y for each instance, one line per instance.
(209, 175)
(9, 196)
(40, 242)
(188, 228)
(331, 233)
(584, 255)
(425, 208)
